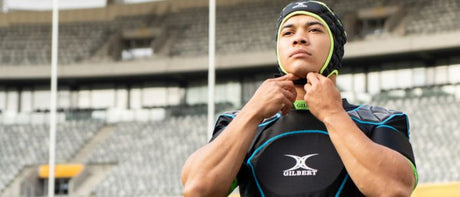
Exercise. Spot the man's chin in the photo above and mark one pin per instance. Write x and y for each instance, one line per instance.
(301, 74)
(301, 71)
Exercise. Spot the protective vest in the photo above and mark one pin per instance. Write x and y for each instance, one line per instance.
(292, 155)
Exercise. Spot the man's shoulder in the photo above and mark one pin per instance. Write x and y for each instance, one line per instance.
(374, 117)
(225, 118)
(230, 115)
(373, 114)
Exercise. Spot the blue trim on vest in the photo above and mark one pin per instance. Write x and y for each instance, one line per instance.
(255, 178)
(341, 186)
(227, 115)
(266, 143)
(378, 123)
(222, 115)
(408, 128)
(390, 127)
(277, 116)
(355, 109)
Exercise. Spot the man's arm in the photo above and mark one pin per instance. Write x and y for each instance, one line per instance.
(211, 169)
(375, 169)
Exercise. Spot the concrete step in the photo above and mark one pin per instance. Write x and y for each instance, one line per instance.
(83, 154)
(14, 187)
(96, 174)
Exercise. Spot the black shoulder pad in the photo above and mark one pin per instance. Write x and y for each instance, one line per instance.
(389, 128)
(381, 117)
(222, 121)
(373, 114)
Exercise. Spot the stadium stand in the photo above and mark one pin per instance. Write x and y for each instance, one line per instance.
(26, 44)
(30, 44)
(149, 155)
(433, 122)
(432, 17)
(27, 145)
(248, 21)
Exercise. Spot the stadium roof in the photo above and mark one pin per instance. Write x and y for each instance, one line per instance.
(42, 5)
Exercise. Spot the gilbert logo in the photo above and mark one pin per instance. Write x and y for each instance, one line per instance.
(300, 5)
(300, 168)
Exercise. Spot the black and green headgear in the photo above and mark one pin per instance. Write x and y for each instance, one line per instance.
(333, 25)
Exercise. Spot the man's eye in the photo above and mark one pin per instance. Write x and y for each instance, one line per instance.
(316, 30)
(287, 33)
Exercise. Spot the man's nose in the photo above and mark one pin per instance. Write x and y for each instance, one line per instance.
(300, 39)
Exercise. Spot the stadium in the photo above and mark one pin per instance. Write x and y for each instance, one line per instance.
(132, 86)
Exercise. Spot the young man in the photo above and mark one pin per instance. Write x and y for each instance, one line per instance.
(296, 136)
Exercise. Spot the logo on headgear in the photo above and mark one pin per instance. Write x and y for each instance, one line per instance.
(300, 5)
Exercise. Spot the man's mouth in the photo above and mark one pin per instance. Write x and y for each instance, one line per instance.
(300, 53)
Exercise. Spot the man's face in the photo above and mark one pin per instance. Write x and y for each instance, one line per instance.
(303, 45)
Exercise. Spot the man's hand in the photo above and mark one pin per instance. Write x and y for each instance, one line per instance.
(322, 96)
(272, 96)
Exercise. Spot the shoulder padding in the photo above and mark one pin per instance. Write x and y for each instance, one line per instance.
(224, 119)
(373, 114)
(230, 115)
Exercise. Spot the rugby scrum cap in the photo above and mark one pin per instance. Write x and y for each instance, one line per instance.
(332, 23)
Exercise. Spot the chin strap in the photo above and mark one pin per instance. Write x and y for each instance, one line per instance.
(297, 82)
(300, 81)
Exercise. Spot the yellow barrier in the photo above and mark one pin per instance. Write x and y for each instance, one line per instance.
(425, 190)
(444, 190)
(61, 170)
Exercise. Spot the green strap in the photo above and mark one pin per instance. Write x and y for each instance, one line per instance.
(414, 170)
(300, 105)
(234, 185)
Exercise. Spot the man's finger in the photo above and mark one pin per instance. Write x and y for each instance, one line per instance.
(288, 85)
(291, 96)
(312, 78)
(287, 106)
(307, 87)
